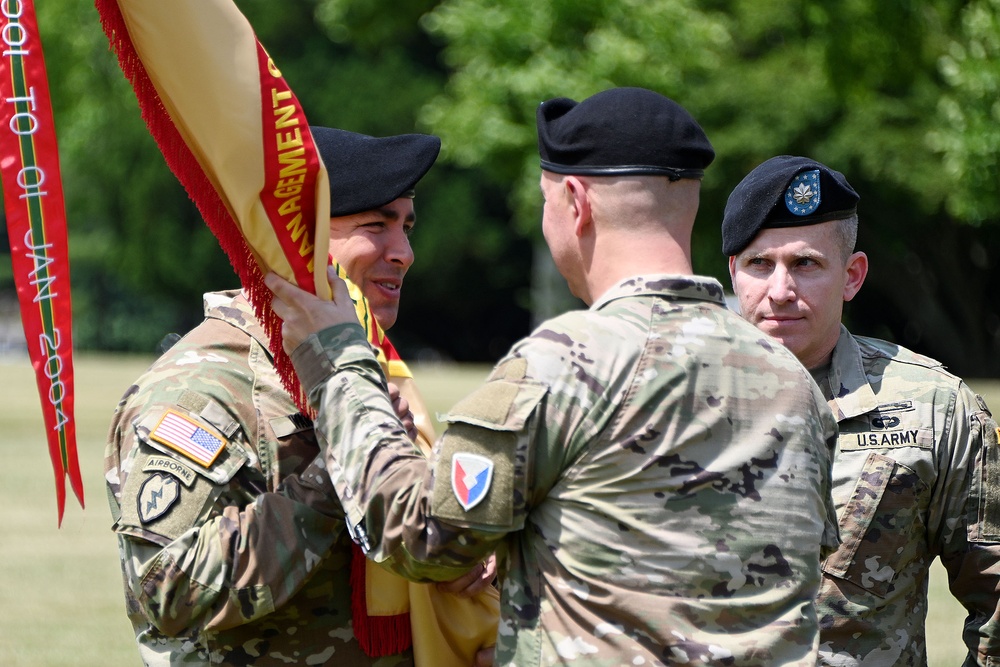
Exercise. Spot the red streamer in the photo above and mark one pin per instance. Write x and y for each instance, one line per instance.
(36, 225)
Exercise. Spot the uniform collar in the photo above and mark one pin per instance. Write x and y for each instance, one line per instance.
(852, 395)
(673, 286)
(232, 307)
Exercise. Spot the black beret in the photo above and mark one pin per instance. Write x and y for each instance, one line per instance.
(785, 191)
(619, 132)
(367, 172)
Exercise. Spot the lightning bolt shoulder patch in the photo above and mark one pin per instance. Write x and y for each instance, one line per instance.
(156, 496)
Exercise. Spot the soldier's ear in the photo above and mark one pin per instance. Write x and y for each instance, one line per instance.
(856, 271)
(579, 200)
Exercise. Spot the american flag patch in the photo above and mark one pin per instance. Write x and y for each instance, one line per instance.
(188, 437)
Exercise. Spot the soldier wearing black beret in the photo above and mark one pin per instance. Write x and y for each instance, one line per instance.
(248, 547)
(615, 148)
(911, 434)
(633, 459)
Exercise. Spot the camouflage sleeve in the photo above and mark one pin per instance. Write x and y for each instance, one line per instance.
(831, 539)
(197, 556)
(387, 488)
(971, 554)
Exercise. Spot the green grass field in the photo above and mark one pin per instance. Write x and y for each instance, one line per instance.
(61, 603)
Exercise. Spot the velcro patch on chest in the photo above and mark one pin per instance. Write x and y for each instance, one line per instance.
(188, 437)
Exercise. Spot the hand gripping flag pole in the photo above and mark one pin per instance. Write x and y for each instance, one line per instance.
(36, 225)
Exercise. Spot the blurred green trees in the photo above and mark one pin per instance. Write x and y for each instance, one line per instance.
(903, 96)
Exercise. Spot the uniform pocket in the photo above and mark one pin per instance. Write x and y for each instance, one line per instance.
(877, 524)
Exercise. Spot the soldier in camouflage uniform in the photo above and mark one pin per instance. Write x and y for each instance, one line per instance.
(654, 474)
(233, 544)
(916, 466)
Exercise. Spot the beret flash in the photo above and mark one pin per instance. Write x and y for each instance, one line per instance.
(785, 191)
(620, 132)
(367, 172)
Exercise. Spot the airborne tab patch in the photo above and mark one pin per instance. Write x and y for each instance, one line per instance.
(188, 437)
(471, 476)
(172, 466)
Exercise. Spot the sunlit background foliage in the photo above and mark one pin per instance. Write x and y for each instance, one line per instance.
(903, 96)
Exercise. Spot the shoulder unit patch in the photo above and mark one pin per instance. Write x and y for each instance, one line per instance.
(471, 476)
(157, 495)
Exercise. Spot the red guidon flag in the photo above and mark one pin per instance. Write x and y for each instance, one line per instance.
(36, 225)
(236, 137)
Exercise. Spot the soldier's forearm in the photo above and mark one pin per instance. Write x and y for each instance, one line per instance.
(383, 481)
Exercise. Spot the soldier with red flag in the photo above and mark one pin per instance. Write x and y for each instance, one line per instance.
(233, 543)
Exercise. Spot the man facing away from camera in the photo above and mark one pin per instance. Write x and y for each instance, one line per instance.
(655, 475)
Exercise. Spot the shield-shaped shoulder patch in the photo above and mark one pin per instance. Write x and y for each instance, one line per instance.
(471, 476)
(156, 496)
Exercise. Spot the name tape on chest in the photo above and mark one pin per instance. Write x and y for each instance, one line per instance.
(188, 437)
(905, 437)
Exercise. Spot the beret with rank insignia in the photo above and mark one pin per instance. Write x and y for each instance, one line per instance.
(785, 191)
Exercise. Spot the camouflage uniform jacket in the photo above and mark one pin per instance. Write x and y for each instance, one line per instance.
(655, 473)
(244, 560)
(916, 476)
